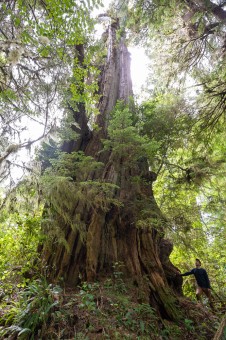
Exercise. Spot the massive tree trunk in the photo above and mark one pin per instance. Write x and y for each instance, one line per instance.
(113, 235)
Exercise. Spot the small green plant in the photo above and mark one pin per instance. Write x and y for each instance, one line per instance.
(118, 282)
(171, 331)
(87, 296)
(108, 284)
(87, 301)
(189, 324)
(32, 311)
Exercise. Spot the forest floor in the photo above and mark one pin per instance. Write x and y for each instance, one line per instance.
(107, 310)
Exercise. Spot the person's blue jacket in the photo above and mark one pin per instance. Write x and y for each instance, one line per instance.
(201, 277)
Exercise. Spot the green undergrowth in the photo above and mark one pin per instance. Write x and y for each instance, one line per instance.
(110, 309)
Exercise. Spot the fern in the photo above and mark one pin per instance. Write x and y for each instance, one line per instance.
(69, 192)
(33, 310)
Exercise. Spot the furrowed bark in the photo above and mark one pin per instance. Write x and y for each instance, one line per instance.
(79, 113)
(114, 235)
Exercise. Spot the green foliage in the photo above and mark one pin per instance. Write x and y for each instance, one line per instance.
(75, 165)
(190, 164)
(48, 151)
(139, 319)
(164, 119)
(211, 99)
(171, 331)
(32, 311)
(44, 310)
(189, 324)
(185, 43)
(195, 210)
(118, 282)
(190, 193)
(67, 184)
(20, 235)
(125, 141)
(87, 297)
(41, 71)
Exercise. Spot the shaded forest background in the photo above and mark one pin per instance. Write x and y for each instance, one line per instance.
(115, 196)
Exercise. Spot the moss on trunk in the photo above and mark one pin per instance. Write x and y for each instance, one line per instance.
(114, 235)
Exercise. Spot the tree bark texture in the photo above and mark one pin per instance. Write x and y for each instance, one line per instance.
(114, 236)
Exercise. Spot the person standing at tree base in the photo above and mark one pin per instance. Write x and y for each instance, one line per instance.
(202, 280)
